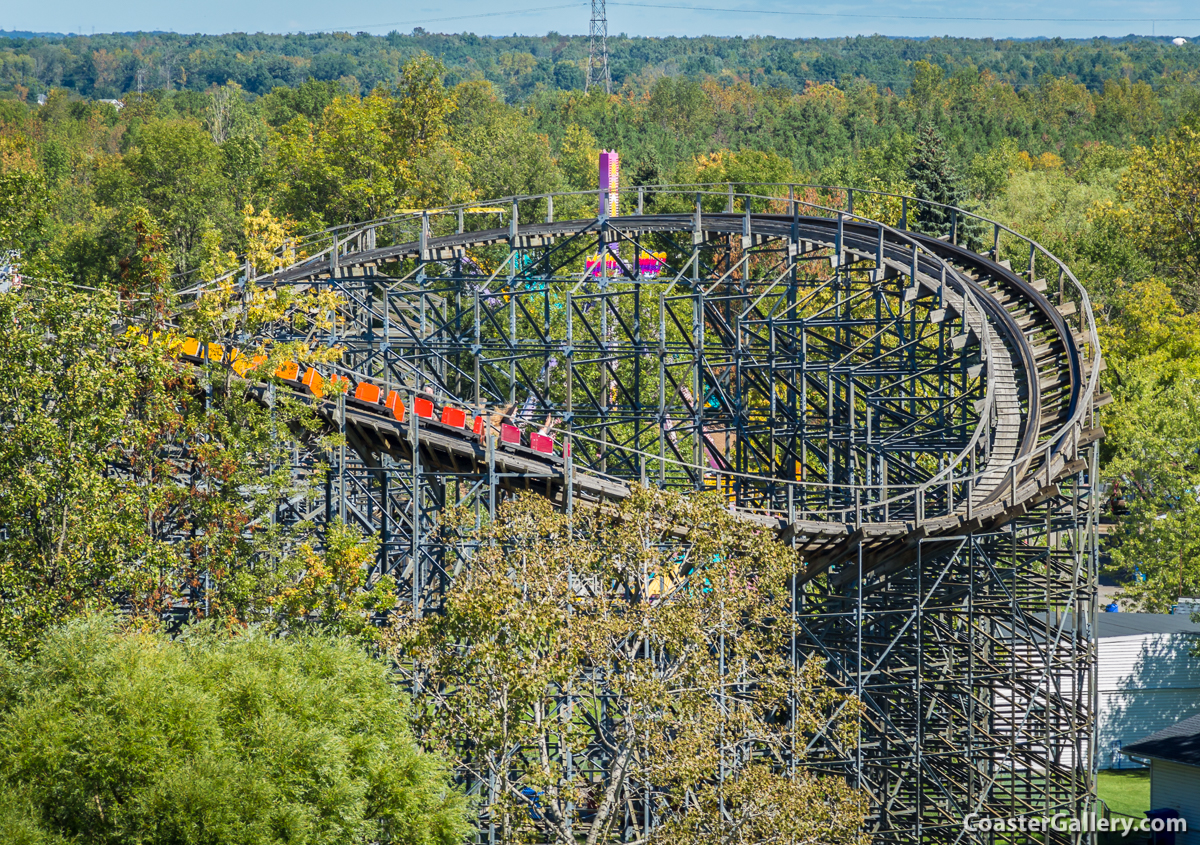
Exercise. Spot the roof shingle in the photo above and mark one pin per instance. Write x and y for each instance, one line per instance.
(1179, 743)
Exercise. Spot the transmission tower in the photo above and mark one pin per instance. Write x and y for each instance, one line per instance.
(597, 71)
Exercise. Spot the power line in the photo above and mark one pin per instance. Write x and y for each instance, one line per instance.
(899, 17)
(511, 12)
(599, 16)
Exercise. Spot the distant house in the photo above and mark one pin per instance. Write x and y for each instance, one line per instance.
(116, 104)
(1147, 679)
(1174, 755)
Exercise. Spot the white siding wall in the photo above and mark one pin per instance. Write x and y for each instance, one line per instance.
(1177, 786)
(1019, 709)
(1146, 683)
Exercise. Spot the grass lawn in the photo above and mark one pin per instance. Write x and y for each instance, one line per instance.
(1125, 791)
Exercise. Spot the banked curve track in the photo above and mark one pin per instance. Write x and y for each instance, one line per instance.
(1040, 375)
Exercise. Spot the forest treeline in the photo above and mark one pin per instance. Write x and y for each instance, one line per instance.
(321, 153)
(110, 65)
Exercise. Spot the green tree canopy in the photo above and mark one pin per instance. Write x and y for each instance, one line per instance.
(176, 170)
(367, 157)
(114, 738)
(1152, 448)
(1160, 208)
(23, 195)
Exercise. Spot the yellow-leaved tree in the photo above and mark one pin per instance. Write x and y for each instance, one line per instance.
(368, 157)
(1159, 209)
(653, 645)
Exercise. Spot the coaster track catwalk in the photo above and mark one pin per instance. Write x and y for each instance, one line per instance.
(910, 411)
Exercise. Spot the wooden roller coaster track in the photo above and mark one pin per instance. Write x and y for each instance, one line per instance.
(910, 411)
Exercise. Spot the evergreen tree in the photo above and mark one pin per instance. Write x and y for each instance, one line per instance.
(934, 179)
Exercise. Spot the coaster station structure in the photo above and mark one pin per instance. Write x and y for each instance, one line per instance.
(910, 411)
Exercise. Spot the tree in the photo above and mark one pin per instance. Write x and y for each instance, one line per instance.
(881, 168)
(579, 159)
(23, 196)
(1127, 109)
(307, 100)
(70, 405)
(134, 480)
(990, 172)
(176, 169)
(341, 170)
(1159, 208)
(1054, 208)
(1152, 446)
(567, 642)
(111, 736)
(1064, 104)
(368, 156)
(934, 179)
(504, 154)
(226, 115)
(928, 92)
(746, 169)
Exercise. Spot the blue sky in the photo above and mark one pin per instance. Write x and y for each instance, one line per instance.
(974, 18)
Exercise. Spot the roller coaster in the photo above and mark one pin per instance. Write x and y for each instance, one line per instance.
(911, 406)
